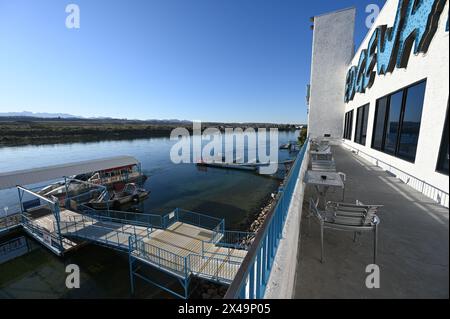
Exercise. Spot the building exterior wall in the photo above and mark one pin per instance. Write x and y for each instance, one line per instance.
(432, 66)
(332, 51)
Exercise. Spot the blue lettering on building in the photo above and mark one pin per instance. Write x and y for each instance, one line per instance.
(415, 25)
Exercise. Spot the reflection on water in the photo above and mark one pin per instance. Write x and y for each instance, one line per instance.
(228, 194)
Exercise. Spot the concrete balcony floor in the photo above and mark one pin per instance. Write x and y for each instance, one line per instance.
(413, 241)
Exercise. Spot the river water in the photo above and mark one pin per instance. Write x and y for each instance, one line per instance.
(232, 195)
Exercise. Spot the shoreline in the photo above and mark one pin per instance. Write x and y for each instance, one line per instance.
(22, 132)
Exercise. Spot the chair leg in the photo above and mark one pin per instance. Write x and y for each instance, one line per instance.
(354, 236)
(321, 244)
(375, 244)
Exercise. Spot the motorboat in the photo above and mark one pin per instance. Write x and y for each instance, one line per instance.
(131, 193)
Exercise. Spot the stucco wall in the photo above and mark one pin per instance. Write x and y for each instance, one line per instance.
(433, 66)
(332, 51)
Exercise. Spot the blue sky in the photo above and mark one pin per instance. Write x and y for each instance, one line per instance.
(209, 60)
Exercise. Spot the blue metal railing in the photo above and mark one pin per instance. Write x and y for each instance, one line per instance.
(211, 267)
(78, 226)
(139, 219)
(208, 264)
(45, 236)
(200, 220)
(236, 239)
(158, 256)
(251, 280)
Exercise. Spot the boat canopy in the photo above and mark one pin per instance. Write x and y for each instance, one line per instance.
(43, 174)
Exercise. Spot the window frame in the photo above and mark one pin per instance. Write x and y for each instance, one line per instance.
(444, 139)
(401, 118)
(364, 114)
(348, 125)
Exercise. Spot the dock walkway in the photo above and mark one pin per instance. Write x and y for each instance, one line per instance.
(180, 249)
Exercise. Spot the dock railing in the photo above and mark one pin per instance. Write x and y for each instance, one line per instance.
(50, 238)
(236, 239)
(208, 265)
(251, 280)
(77, 226)
(140, 219)
(159, 257)
(200, 220)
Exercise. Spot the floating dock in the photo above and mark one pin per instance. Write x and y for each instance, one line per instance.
(181, 243)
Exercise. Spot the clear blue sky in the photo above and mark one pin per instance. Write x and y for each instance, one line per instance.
(209, 60)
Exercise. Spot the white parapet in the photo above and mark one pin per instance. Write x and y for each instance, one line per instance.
(282, 277)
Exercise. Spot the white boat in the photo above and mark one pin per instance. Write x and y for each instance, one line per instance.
(130, 193)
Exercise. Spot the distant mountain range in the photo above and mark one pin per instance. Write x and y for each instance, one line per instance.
(74, 117)
(40, 115)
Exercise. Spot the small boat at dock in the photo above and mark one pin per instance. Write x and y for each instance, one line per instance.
(130, 193)
(286, 146)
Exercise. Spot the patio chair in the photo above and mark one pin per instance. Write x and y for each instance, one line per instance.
(347, 217)
(320, 145)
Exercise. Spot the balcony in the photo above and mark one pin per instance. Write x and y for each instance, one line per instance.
(413, 241)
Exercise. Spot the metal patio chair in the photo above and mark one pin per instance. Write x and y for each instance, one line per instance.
(320, 145)
(357, 218)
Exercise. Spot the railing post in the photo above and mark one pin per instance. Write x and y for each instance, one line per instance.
(130, 260)
(258, 275)
(264, 259)
(251, 282)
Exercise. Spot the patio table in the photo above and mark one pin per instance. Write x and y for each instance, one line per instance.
(321, 184)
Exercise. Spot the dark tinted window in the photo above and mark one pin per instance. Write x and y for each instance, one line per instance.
(378, 128)
(412, 115)
(443, 153)
(359, 118)
(361, 124)
(348, 126)
(397, 122)
(393, 121)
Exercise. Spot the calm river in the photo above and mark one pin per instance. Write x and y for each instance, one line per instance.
(228, 194)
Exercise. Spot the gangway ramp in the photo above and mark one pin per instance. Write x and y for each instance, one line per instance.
(180, 246)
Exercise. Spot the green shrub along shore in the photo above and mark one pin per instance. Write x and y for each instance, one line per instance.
(23, 131)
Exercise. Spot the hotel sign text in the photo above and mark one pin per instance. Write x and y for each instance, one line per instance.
(415, 24)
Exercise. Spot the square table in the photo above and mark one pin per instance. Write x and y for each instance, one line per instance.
(315, 179)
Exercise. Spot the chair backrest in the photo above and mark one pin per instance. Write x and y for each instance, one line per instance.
(353, 214)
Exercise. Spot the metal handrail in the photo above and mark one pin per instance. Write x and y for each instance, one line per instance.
(160, 254)
(91, 211)
(273, 224)
(233, 239)
(401, 171)
(99, 239)
(199, 218)
(183, 264)
(27, 222)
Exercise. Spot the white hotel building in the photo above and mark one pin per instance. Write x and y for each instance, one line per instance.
(387, 100)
